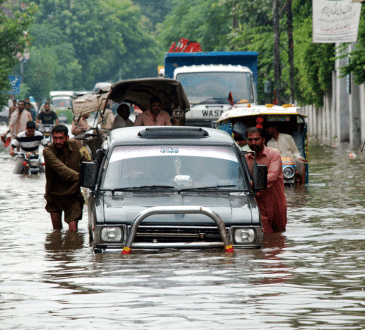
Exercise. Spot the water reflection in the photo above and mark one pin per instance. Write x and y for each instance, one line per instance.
(63, 244)
(309, 277)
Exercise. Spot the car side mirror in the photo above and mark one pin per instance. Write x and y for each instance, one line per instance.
(259, 177)
(88, 174)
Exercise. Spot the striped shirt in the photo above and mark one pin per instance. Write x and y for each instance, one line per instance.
(29, 144)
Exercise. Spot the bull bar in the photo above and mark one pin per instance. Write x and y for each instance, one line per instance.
(177, 210)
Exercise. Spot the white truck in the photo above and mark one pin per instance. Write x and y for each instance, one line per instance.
(213, 82)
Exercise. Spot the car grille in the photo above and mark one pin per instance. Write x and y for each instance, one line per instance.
(172, 234)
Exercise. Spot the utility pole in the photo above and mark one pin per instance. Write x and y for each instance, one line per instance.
(291, 49)
(277, 63)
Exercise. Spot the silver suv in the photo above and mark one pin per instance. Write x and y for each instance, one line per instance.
(172, 187)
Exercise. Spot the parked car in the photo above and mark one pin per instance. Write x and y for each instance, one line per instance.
(171, 187)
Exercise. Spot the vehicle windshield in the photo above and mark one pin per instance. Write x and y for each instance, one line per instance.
(173, 167)
(62, 102)
(214, 87)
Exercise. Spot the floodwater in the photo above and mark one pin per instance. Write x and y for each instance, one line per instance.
(310, 277)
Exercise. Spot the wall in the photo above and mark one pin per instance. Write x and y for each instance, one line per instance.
(342, 117)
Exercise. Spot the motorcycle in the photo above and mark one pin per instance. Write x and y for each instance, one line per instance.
(28, 163)
(46, 129)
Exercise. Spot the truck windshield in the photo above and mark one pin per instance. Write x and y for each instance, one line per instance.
(62, 102)
(214, 87)
(179, 167)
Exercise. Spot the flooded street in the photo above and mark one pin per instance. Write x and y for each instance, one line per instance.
(310, 277)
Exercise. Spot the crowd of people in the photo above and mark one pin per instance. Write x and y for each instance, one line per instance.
(63, 156)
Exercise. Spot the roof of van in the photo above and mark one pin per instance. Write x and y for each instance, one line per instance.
(152, 135)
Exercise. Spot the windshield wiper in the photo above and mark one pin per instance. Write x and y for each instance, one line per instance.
(149, 187)
(210, 187)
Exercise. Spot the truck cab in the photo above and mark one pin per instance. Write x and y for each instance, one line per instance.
(212, 89)
(213, 82)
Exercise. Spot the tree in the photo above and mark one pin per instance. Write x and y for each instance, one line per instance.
(313, 63)
(205, 21)
(52, 64)
(106, 37)
(13, 41)
(155, 11)
(357, 57)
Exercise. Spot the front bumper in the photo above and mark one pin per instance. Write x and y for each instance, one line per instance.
(177, 236)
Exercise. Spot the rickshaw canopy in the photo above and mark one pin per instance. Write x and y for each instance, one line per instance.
(140, 91)
(244, 110)
(137, 92)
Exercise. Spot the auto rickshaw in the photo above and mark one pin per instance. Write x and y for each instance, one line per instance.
(136, 93)
(287, 118)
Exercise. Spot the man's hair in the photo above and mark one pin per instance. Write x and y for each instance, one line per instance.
(155, 99)
(31, 124)
(25, 103)
(254, 130)
(123, 106)
(21, 101)
(60, 129)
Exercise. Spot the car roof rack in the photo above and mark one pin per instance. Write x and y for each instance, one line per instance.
(167, 132)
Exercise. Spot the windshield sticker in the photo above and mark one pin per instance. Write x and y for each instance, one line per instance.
(128, 152)
(169, 150)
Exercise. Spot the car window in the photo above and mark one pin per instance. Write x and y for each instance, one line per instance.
(181, 167)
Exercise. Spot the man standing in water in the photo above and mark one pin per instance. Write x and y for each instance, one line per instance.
(62, 159)
(271, 202)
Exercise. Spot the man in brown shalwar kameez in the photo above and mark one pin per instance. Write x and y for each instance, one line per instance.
(62, 159)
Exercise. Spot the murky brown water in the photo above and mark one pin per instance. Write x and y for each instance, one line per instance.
(311, 277)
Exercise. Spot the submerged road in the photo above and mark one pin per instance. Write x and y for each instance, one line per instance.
(310, 277)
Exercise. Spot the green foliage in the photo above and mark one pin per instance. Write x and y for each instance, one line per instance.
(24, 91)
(52, 64)
(205, 21)
(258, 39)
(313, 63)
(255, 33)
(357, 63)
(154, 11)
(12, 40)
(252, 13)
(78, 43)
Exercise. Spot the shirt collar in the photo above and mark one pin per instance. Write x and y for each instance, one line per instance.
(264, 153)
(68, 149)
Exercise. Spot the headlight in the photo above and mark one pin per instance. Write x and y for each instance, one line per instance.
(34, 163)
(112, 234)
(288, 172)
(242, 235)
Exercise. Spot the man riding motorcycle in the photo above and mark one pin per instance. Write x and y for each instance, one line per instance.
(47, 116)
(28, 141)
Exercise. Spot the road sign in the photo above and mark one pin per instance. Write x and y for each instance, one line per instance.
(15, 84)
